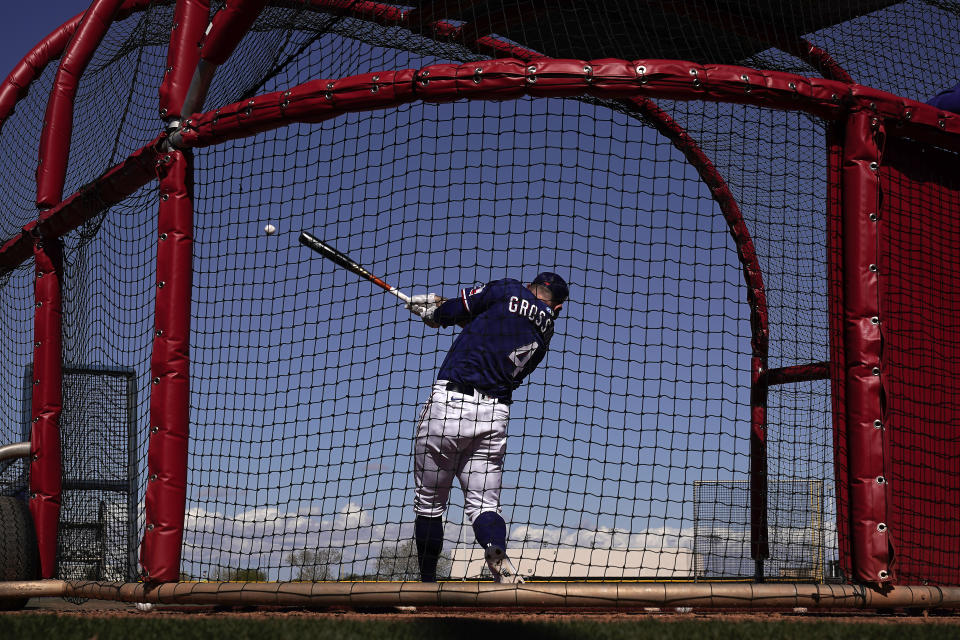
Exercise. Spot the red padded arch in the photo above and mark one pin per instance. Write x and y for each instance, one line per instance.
(58, 120)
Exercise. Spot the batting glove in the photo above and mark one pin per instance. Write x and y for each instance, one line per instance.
(423, 305)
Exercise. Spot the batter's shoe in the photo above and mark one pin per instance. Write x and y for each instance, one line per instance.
(500, 565)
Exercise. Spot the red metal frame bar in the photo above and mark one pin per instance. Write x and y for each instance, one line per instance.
(798, 373)
(229, 26)
(871, 547)
(58, 121)
(46, 401)
(170, 374)
(16, 84)
(190, 20)
(111, 188)
(320, 100)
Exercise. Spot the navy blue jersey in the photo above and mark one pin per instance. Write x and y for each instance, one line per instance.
(507, 334)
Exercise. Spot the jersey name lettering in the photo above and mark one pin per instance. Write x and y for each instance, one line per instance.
(540, 318)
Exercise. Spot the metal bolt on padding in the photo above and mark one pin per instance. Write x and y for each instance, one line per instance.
(152, 477)
(883, 574)
(39, 274)
(37, 381)
(882, 527)
(39, 304)
(942, 123)
(33, 496)
(792, 85)
(149, 526)
(37, 343)
(881, 480)
(696, 78)
(874, 320)
(158, 332)
(164, 196)
(161, 284)
(907, 114)
(876, 371)
(874, 268)
(163, 236)
(835, 97)
(154, 429)
(877, 424)
(874, 217)
(156, 381)
(874, 165)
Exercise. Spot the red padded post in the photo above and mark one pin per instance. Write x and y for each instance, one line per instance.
(169, 374)
(229, 26)
(870, 536)
(46, 401)
(58, 120)
(190, 20)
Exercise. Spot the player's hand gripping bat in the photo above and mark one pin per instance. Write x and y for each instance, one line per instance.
(344, 261)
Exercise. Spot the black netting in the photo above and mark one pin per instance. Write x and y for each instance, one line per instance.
(306, 383)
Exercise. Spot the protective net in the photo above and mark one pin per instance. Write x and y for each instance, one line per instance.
(921, 195)
(628, 448)
(645, 392)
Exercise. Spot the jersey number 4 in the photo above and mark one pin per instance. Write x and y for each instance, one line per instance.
(521, 356)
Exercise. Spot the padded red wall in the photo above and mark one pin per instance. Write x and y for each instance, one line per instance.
(920, 296)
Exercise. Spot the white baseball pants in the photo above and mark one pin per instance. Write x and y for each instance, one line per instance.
(459, 436)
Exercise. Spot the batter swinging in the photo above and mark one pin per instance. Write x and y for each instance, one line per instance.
(462, 430)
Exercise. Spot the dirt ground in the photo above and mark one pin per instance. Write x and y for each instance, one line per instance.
(100, 608)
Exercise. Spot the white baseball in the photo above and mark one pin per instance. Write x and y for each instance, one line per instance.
(269, 229)
(144, 606)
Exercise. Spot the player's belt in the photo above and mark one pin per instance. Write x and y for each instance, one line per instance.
(469, 391)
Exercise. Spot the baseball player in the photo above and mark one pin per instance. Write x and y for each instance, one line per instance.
(462, 431)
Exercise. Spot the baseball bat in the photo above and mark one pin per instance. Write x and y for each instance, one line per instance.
(328, 252)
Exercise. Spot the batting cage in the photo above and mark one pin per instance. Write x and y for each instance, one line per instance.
(748, 398)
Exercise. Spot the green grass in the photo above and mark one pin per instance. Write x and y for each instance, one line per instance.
(58, 627)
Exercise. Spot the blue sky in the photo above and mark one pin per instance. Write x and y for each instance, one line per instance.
(24, 25)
